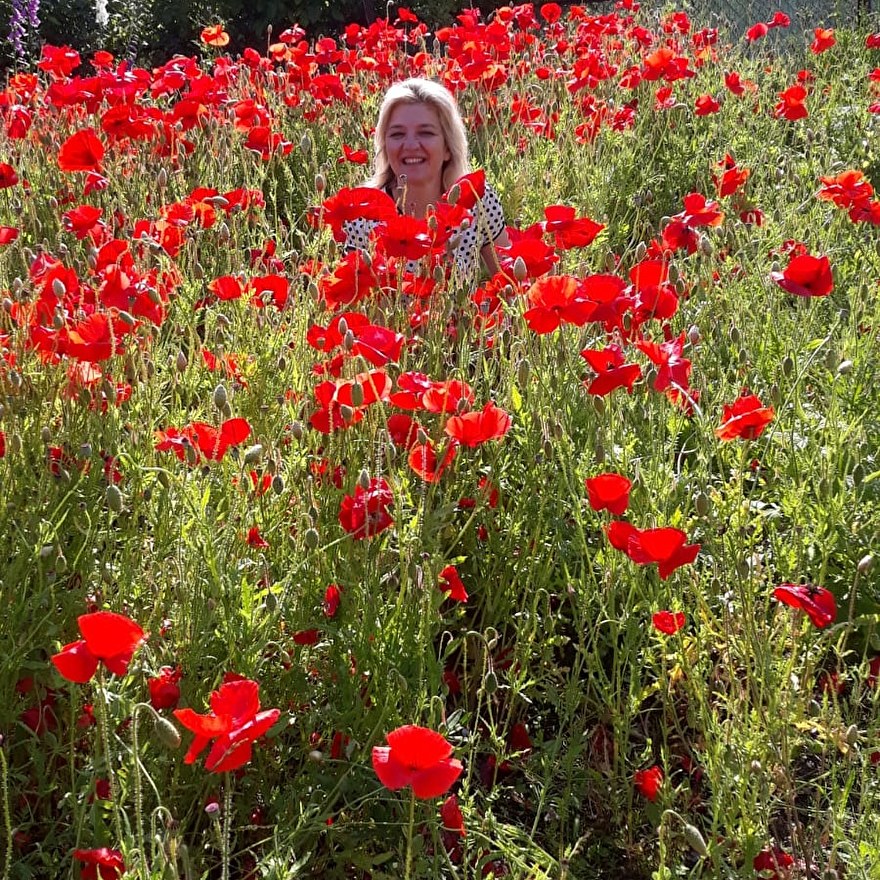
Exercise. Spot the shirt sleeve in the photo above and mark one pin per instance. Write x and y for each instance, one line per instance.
(491, 216)
(357, 234)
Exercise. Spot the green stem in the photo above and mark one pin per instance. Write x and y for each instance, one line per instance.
(227, 824)
(104, 730)
(409, 835)
(7, 816)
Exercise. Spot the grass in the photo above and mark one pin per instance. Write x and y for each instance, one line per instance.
(758, 746)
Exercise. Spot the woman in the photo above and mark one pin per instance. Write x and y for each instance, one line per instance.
(420, 151)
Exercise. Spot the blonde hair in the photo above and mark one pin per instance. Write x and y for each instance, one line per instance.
(422, 91)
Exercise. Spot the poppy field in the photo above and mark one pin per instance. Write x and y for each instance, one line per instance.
(316, 566)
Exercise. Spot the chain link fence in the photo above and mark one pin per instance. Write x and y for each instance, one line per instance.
(805, 14)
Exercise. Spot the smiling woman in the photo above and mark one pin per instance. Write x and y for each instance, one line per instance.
(420, 152)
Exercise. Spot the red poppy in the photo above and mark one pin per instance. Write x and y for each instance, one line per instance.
(405, 236)
(744, 419)
(8, 234)
(81, 220)
(706, 105)
(356, 157)
(8, 177)
(768, 863)
(215, 35)
(164, 687)
(358, 203)
(806, 275)
(207, 441)
(108, 638)
(82, 151)
(756, 31)
(366, 513)
(417, 757)
(780, 19)
(668, 622)
(554, 299)
(255, 539)
(609, 492)
(451, 584)
(673, 369)
(423, 460)
(792, 105)
(475, 428)
(439, 397)
(648, 782)
(846, 189)
(450, 812)
(235, 722)
(332, 598)
(100, 864)
(666, 546)
(816, 602)
(568, 230)
(731, 177)
(823, 40)
(612, 371)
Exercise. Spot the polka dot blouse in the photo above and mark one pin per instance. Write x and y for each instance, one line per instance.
(487, 224)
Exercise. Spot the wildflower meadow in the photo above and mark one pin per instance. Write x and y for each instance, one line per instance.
(317, 566)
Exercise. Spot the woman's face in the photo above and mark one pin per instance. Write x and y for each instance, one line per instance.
(415, 145)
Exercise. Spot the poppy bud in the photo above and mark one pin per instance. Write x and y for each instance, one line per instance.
(357, 394)
(520, 270)
(348, 344)
(297, 430)
(311, 538)
(787, 365)
(57, 320)
(8, 304)
(277, 484)
(858, 475)
(223, 233)
(490, 682)
(342, 326)
(844, 367)
(60, 562)
(320, 183)
(58, 288)
(641, 251)
(599, 452)
(15, 379)
(706, 246)
(454, 194)
(364, 479)
(695, 840)
(167, 733)
(45, 434)
(852, 734)
(181, 362)
(305, 143)
(734, 335)
(673, 273)
(253, 454)
(220, 396)
(162, 178)
(694, 335)
(316, 756)
(702, 504)
(523, 372)
(866, 563)
(346, 412)
(775, 395)
(113, 498)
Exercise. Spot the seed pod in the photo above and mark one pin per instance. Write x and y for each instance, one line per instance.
(220, 396)
(253, 454)
(167, 733)
(311, 538)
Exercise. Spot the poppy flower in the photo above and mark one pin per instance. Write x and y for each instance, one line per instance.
(780, 19)
(82, 151)
(768, 862)
(452, 585)
(673, 370)
(8, 234)
(823, 40)
(609, 492)
(332, 598)
(8, 177)
(745, 419)
(423, 460)
(366, 513)
(164, 688)
(668, 622)
(792, 106)
(648, 782)
(450, 813)
(666, 546)
(806, 275)
(235, 722)
(108, 638)
(475, 428)
(706, 105)
(100, 864)
(756, 31)
(568, 230)
(611, 369)
(215, 35)
(816, 602)
(731, 176)
(555, 299)
(357, 203)
(417, 757)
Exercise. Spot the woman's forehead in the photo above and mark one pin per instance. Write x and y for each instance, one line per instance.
(413, 114)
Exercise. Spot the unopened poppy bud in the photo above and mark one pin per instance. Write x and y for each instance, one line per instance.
(641, 251)
(181, 362)
(167, 733)
(680, 287)
(222, 321)
(220, 397)
(305, 143)
(787, 366)
(432, 223)
(454, 194)
(162, 178)
(852, 734)
(348, 343)
(490, 682)
(297, 430)
(113, 498)
(320, 183)
(15, 379)
(316, 755)
(364, 479)
(311, 538)
(695, 840)
(8, 304)
(45, 434)
(523, 372)
(599, 405)
(57, 320)
(866, 563)
(438, 274)
(599, 452)
(278, 484)
(13, 443)
(223, 233)
(357, 394)
(421, 436)
(60, 562)
(844, 367)
(673, 273)
(706, 246)
(127, 318)
(198, 271)
(58, 288)
(775, 395)
(743, 356)
(520, 270)
(253, 454)
(694, 335)
(734, 335)
(226, 412)
(346, 412)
